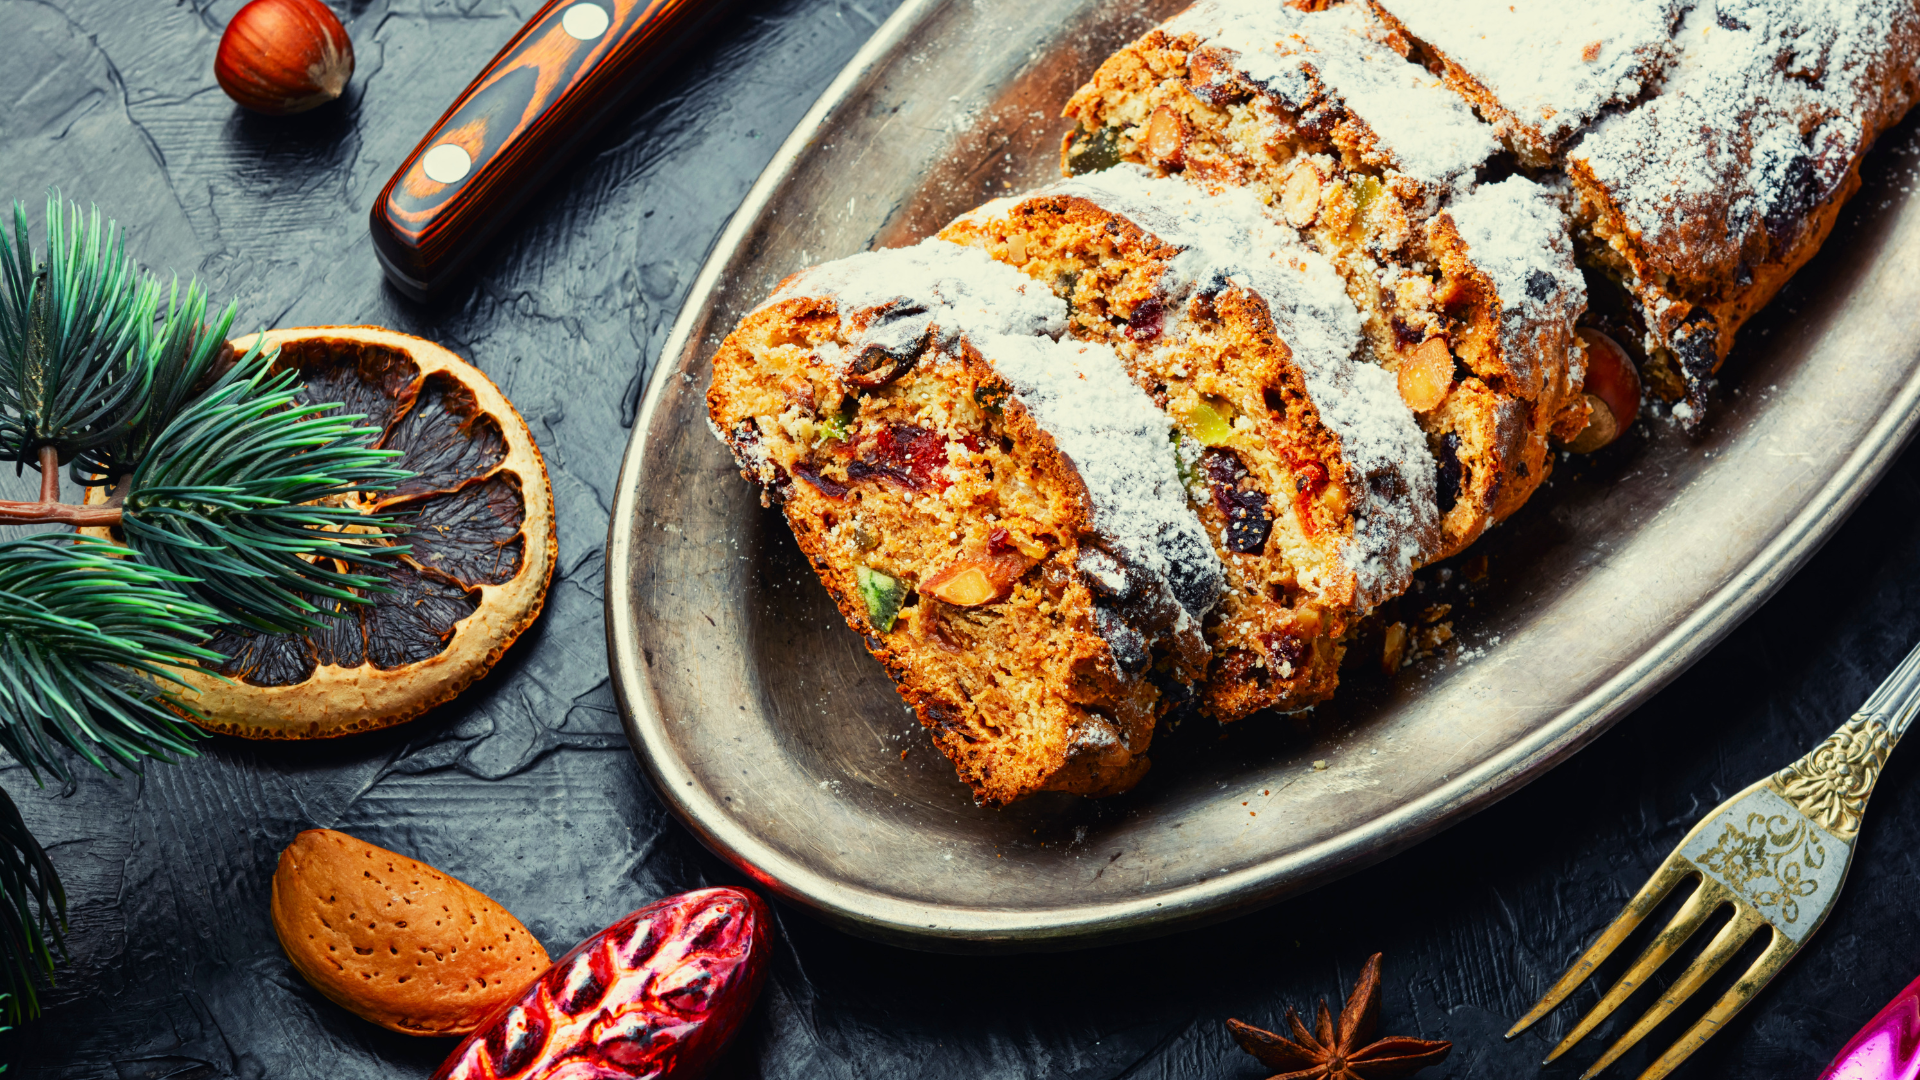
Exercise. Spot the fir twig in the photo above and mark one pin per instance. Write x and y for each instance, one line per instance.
(70, 377)
(180, 351)
(87, 634)
(238, 503)
(33, 914)
(246, 497)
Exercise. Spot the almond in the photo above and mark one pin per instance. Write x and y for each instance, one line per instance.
(1166, 138)
(1426, 375)
(395, 941)
(1300, 197)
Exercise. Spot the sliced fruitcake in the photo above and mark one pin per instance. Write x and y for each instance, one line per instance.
(1365, 153)
(1301, 458)
(1715, 160)
(998, 513)
(1704, 199)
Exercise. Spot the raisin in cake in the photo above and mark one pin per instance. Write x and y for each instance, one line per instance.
(1371, 158)
(1302, 460)
(999, 513)
(1699, 197)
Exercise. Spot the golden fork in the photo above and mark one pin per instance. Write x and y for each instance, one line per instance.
(1776, 853)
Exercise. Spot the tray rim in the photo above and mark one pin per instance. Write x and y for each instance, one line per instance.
(953, 928)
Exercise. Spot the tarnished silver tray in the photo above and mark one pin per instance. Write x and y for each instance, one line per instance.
(765, 726)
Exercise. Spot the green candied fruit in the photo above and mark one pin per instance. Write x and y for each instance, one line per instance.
(1365, 191)
(1182, 459)
(1063, 287)
(883, 595)
(833, 429)
(1211, 424)
(1093, 151)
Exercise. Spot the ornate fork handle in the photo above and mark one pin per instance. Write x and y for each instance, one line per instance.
(1831, 783)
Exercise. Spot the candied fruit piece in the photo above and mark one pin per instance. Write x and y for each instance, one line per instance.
(1211, 422)
(883, 594)
(1092, 151)
(1426, 375)
(969, 587)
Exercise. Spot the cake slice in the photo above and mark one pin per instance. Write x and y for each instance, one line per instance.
(1302, 460)
(1710, 143)
(998, 513)
(1703, 200)
(1372, 159)
(1540, 72)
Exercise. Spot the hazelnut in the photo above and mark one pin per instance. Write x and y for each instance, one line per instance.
(284, 56)
(1612, 389)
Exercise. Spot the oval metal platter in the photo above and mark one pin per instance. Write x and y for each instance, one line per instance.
(762, 722)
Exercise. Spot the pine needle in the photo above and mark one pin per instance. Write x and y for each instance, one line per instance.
(33, 914)
(87, 635)
(70, 376)
(245, 496)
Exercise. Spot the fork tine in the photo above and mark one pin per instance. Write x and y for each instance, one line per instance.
(1727, 942)
(1704, 902)
(1757, 977)
(1644, 901)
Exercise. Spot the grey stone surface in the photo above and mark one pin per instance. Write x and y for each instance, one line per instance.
(524, 786)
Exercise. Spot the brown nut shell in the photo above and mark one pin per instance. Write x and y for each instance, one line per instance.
(1612, 389)
(395, 941)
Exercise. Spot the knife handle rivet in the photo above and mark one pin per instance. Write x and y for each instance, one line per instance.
(446, 164)
(585, 22)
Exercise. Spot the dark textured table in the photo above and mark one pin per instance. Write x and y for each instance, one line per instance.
(525, 786)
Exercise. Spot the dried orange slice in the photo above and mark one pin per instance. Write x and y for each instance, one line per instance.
(483, 545)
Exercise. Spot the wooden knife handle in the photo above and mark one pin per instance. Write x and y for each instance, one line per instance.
(568, 69)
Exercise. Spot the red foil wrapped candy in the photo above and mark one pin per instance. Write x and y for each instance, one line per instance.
(656, 995)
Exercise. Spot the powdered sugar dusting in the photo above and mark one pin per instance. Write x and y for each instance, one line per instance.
(1516, 232)
(1553, 64)
(1080, 394)
(1227, 235)
(960, 290)
(1759, 121)
(1427, 132)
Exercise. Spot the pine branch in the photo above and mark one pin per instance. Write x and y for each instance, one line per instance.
(70, 376)
(181, 352)
(247, 497)
(87, 635)
(33, 914)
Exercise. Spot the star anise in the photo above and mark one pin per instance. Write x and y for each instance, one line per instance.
(1323, 1054)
